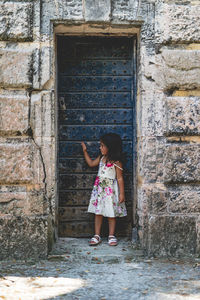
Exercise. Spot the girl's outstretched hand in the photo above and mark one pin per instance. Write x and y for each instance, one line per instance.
(89, 161)
(83, 146)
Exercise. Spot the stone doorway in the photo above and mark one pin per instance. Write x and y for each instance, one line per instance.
(96, 92)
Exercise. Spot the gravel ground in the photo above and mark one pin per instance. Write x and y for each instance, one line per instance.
(76, 271)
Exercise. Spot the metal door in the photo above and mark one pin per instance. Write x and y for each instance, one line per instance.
(95, 96)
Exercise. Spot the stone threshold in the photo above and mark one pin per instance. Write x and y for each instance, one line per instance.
(75, 249)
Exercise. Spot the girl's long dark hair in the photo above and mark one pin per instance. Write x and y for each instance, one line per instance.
(114, 144)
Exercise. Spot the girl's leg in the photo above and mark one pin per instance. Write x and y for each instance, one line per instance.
(98, 223)
(112, 224)
(96, 239)
(112, 241)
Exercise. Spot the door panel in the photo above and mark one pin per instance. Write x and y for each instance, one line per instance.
(108, 116)
(94, 100)
(95, 96)
(94, 83)
(105, 67)
(91, 133)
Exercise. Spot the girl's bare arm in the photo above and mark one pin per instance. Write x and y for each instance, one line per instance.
(90, 162)
(120, 181)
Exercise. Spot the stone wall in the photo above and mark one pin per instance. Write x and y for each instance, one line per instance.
(168, 97)
(27, 135)
(168, 131)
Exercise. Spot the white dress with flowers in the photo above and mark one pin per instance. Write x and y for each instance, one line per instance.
(105, 194)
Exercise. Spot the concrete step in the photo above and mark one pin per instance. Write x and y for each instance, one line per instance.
(78, 249)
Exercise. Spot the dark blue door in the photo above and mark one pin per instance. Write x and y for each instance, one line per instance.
(95, 96)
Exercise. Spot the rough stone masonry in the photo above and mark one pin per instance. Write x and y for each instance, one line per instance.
(168, 115)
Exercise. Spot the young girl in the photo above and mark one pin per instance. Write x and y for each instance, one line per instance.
(107, 198)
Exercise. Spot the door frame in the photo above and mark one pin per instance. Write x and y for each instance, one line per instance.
(118, 30)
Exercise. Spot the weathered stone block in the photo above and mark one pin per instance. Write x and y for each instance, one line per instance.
(43, 126)
(46, 79)
(42, 114)
(150, 157)
(183, 116)
(172, 236)
(125, 10)
(12, 202)
(181, 59)
(59, 10)
(35, 68)
(184, 199)
(142, 213)
(23, 200)
(20, 162)
(14, 108)
(155, 197)
(182, 163)
(15, 21)
(37, 200)
(23, 237)
(150, 104)
(152, 112)
(97, 10)
(15, 68)
(147, 159)
(198, 235)
(16, 163)
(179, 69)
(146, 12)
(48, 154)
(177, 23)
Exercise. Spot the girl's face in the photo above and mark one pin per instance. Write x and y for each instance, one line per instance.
(103, 148)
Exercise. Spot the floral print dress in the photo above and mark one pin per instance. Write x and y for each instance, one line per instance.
(105, 194)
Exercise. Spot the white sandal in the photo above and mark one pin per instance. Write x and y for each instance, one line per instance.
(112, 241)
(95, 240)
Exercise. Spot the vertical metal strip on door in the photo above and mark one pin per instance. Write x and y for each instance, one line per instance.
(95, 96)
